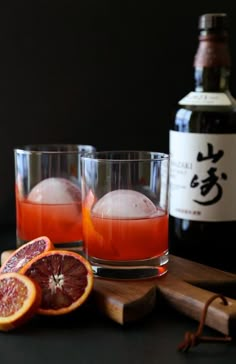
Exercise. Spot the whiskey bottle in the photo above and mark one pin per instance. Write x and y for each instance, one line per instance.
(202, 147)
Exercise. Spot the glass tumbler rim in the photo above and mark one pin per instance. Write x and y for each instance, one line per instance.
(137, 155)
(53, 148)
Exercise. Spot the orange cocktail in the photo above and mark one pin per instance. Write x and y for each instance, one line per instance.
(48, 193)
(62, 223)
(126, 239)
(125, 213)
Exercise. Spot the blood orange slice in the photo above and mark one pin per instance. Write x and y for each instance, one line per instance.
(89, 232)
(25, 253)
(20, 298)
(65, 277)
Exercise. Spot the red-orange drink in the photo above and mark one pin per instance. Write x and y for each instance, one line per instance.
(62, 223)
(48, 192)
(125, 213)
(126, 239)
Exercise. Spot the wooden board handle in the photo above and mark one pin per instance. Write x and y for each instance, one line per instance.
(190, 300)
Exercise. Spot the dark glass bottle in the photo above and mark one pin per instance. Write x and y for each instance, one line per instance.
(203, 154)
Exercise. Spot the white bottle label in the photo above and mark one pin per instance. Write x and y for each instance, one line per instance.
(206, 98)
(202, 176)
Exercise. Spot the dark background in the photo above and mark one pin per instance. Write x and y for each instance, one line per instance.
(102, 72)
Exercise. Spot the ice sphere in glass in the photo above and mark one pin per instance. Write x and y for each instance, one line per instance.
(124, 204)
(55, 190)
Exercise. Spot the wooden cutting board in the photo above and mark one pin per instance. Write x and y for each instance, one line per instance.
(127, 301)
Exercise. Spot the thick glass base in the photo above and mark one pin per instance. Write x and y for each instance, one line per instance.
(78, 246)
(141, 269)
(75, 245)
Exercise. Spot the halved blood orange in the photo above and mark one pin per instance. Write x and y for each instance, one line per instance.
(20, 298)
(65, 277)
(26, 252)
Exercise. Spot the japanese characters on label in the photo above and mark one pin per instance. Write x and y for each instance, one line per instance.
(202, 176)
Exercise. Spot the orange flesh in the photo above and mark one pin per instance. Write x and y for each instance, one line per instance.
(13, 293)
(65, 279)
(25, 253)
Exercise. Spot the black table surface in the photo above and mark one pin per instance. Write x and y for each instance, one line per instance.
(87, 337)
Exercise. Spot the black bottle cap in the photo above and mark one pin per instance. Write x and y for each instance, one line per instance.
(214, 21)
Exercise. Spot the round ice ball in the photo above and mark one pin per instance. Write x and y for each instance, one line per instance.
(124, 204)
(55, 191)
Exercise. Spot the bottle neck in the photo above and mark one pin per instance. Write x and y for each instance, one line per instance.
(212, 63)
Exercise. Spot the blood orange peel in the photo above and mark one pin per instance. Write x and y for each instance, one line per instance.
(20, 298)
(89, 232)
(18, 258)
(65, 277)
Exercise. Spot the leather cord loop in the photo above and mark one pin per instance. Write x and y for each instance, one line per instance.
(194, 339)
